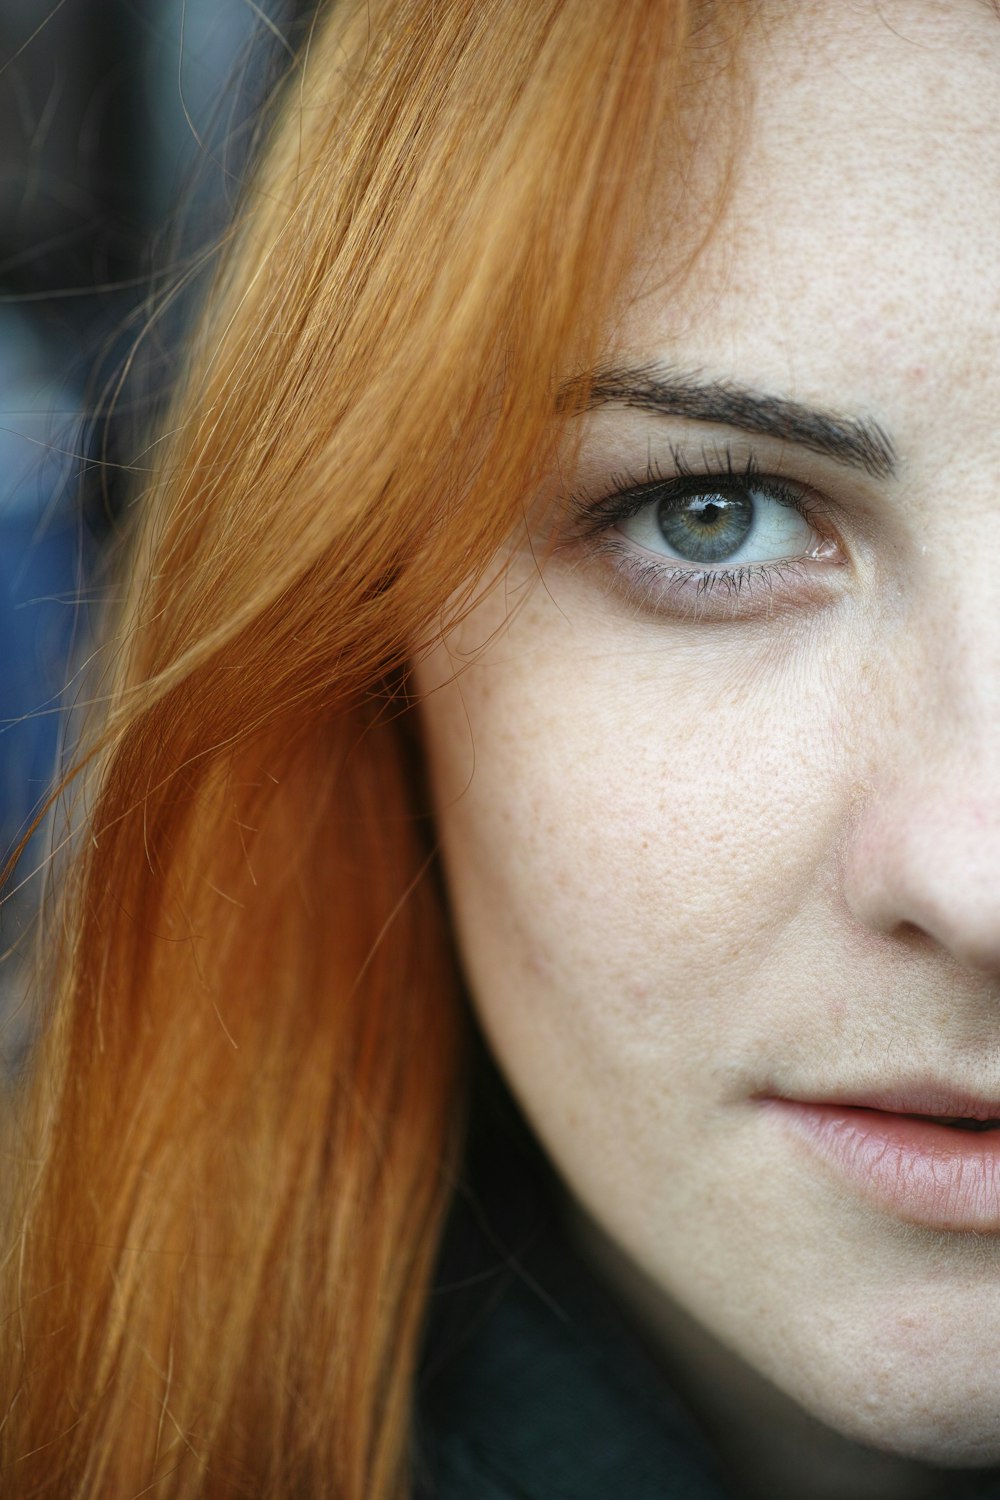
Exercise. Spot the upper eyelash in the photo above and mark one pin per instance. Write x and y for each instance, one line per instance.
(631, 493)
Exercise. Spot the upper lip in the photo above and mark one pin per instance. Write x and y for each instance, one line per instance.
(918, 1098)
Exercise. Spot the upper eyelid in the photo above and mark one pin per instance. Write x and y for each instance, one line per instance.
(629, 493)
(613, 439)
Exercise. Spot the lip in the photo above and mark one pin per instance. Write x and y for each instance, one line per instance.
(928, 1174)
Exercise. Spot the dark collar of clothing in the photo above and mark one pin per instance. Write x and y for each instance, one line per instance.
(534, 1385)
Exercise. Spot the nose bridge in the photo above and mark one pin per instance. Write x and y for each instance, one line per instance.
(944, 685)
(925, 852)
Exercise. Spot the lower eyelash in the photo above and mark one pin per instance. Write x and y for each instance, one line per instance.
(649, 583)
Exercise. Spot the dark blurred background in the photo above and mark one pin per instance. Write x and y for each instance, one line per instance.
(125, 127)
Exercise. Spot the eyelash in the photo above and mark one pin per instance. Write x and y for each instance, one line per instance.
(652, 582)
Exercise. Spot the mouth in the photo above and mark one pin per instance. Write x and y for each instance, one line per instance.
(938, 1167)
(956, 1122)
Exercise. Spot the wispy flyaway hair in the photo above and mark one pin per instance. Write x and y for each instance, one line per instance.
(229, 1162)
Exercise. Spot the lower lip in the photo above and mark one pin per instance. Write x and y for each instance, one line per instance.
(928, 1174)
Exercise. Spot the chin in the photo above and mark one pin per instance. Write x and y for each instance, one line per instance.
(942, 1440)
(930, 1415)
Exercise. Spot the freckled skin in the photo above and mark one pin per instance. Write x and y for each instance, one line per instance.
(700, 858)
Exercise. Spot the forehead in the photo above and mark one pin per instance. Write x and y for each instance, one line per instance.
(861, 220)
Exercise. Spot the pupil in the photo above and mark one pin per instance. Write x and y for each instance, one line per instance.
(709, 514)
(706, 528)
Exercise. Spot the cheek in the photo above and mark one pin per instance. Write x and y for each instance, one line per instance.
(629, 831)
(642, 829)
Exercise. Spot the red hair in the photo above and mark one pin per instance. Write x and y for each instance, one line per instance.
(235, 1147)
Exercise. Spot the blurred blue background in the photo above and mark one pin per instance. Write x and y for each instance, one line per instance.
(124, 132)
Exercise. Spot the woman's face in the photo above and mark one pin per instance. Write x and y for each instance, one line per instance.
(720, 795)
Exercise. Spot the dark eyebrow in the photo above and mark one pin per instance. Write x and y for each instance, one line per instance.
(857, 441)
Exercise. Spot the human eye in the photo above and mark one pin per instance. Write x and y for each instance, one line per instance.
(721, 536)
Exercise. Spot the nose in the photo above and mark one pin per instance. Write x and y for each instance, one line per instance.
(926, 859)
(924, 852)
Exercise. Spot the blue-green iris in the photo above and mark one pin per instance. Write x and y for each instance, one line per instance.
(706, 528)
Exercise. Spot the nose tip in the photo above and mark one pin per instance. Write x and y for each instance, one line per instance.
(930, 864)
(973, 941)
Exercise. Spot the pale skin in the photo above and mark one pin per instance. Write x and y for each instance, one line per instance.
(700, 847)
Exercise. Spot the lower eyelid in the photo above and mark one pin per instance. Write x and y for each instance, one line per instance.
(660, 585)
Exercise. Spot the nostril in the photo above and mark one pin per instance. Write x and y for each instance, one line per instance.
(921, 871)
(915, 936)
(912, 930)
